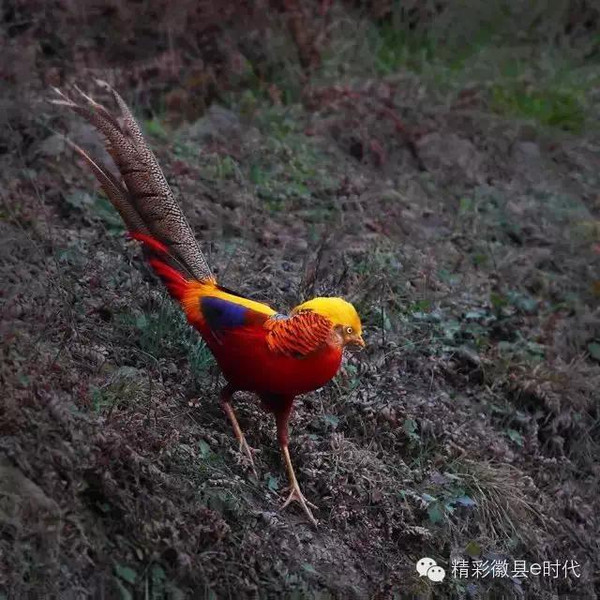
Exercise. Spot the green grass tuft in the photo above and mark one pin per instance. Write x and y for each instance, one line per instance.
(164, 332)
(554, 107)
(398, 48)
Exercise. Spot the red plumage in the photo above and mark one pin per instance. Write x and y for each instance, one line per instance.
(249, 364)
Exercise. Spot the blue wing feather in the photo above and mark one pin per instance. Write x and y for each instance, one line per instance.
(222, 314)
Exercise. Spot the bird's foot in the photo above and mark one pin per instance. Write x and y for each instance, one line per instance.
(297, 496)
(247, 455)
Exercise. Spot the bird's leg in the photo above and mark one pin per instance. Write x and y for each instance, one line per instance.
(244, 447)
(295, 493)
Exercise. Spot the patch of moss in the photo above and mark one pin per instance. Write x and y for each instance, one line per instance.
(554, 107)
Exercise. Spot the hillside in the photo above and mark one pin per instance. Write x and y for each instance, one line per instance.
(448, 188)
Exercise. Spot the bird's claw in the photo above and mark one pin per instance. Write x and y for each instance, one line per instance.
(247, 452)
(297, 496)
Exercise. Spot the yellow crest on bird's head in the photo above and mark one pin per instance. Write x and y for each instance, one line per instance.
(341, 313)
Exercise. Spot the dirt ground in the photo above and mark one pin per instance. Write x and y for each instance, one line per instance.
(460, 213)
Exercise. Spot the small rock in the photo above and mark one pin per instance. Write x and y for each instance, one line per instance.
(13, 484)
(527, 160)
(451, 154)
(52, 146)
(217, 125)
(468, 356)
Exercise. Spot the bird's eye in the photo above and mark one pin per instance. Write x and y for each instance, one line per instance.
(349, 330)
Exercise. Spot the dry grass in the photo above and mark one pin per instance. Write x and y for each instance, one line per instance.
(506, 504)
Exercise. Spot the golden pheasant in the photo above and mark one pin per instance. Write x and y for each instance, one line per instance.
(258, 350)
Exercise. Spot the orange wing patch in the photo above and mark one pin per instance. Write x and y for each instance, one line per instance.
(299, 335)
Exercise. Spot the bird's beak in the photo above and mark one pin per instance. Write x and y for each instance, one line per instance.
(356, 341)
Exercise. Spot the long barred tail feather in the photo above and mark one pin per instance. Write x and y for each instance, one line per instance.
(143, 198)
(115, 190)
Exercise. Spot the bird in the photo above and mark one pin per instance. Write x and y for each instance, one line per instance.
(276, 356)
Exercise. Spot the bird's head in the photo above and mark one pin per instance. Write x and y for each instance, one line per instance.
(345, 319)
